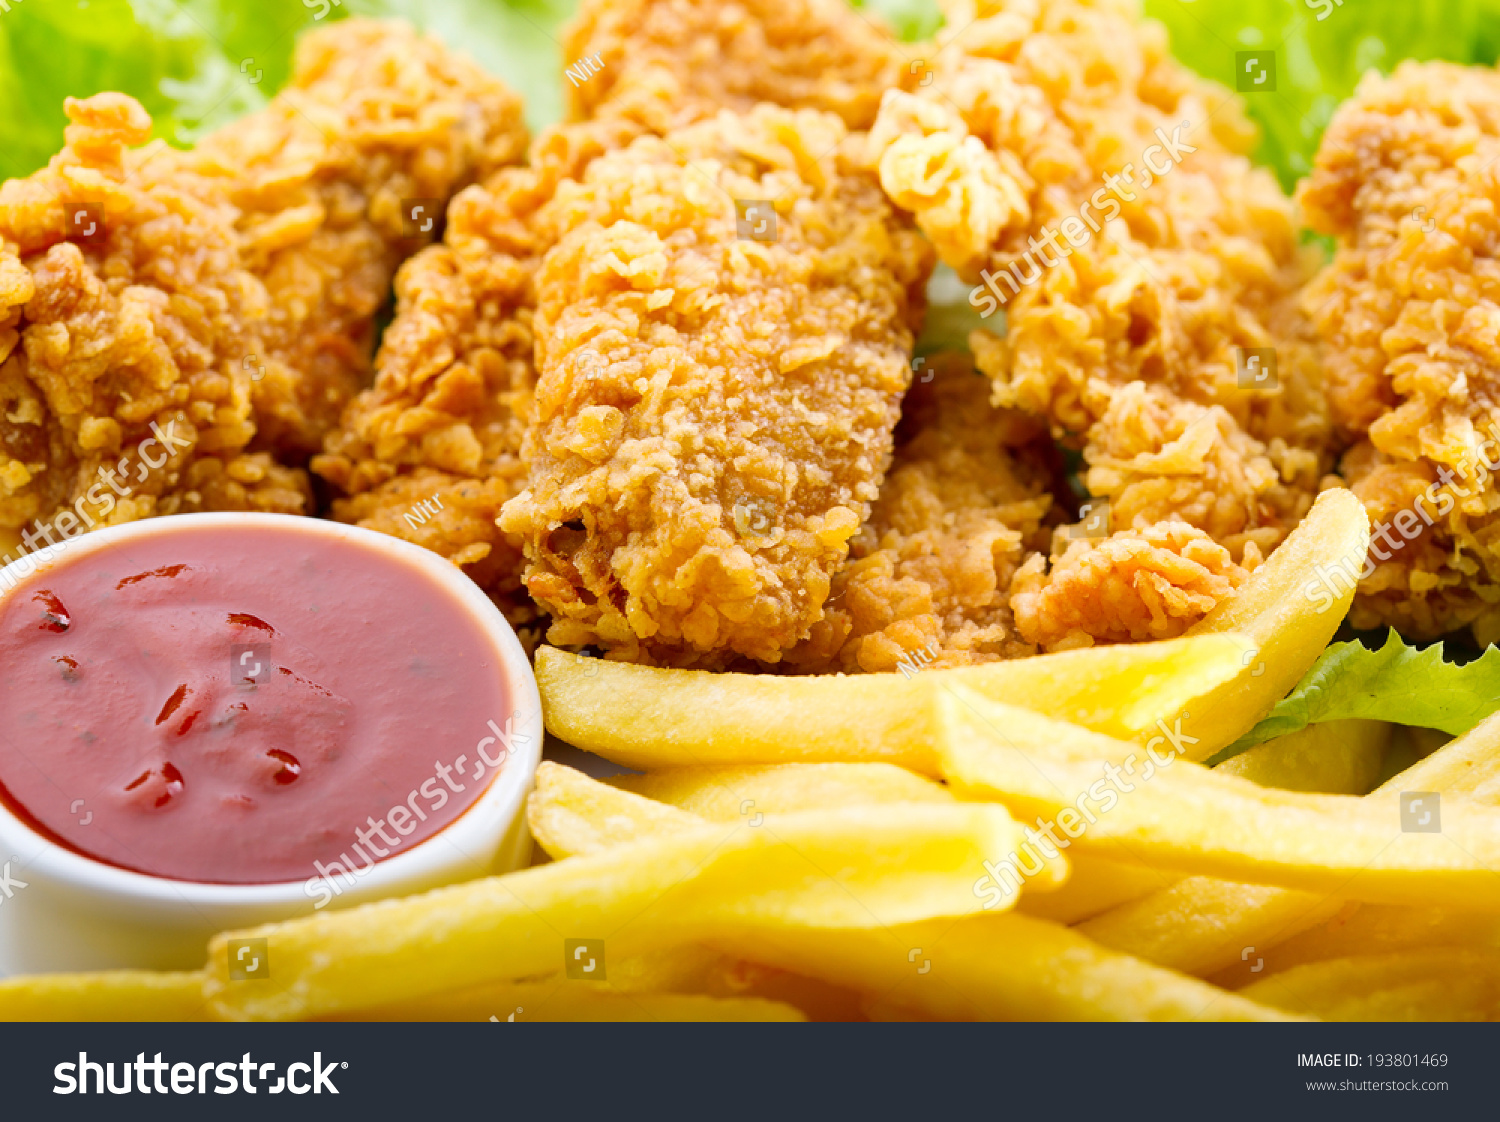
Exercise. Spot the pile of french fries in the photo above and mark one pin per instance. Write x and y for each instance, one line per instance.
(1026, 840)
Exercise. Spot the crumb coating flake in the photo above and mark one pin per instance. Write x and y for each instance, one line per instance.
(713, 413)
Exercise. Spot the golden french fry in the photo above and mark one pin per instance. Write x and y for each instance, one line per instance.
(1204, 925)
(570, 814)
(816, 998)
(1433, 984)
(741, 794)
(1094, 885)
(718, 987)
(115, 995)
(1333, 758)
(645, 717)
(841, 868)
(1365, 929)
(561, 1000)
(995, 967)
(1195, 820)
(738, 793)
(1288, 610)
(729, 794)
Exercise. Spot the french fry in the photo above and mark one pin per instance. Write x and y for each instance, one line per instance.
(842, 868)
(115, 995)
(996, 967)
(570, 814)
(746, 794)
(717, 986)
(1289, 610)
(1195, 820)
(1435, 984)
(561, 1000)
(644, 717)
(728, 794)
(1364, 929)
(1094, 885)
(1203, 925)
(1333, 758)
(816, 998)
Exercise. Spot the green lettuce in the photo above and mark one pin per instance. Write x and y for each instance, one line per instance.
(1322, 48)
(1396, 682)
(197, 64)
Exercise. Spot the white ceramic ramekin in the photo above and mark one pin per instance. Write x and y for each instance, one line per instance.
(76, 913)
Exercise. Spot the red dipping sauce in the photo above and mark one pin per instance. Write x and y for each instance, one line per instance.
(239, 706)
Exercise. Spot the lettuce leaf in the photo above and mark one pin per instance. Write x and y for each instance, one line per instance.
(1397, 683)
(518, 40)
(198, 64)
(153, 50)
(910, 19)
(1322, 48)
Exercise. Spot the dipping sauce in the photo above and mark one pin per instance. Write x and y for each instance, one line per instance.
(244, 706)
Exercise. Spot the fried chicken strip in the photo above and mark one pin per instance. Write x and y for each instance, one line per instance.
(929, 577)
(663, 62)
(1098, 193)
(337, 182)
(714, 408)
(1134, 586)
(170, 319)
(1405, 179)
(131, 333)
(454, 376)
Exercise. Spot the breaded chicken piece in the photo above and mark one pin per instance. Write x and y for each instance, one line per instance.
(929, 576)
(1098, 194)
(660, 62)
(713, 412)
(1405, 179)
(223, 296)
(132, 333)
(454, 375)
(1135, 586)
(375, 118)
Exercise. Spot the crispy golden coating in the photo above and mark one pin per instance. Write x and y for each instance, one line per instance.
(713, 412)
(142, 320)
(454, 374)
(663, 62)
(220, 301)
(1134, 586)
(929, 576)
(375, 116)
(1410, 311)
(1158, 457)
(1098, 194)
